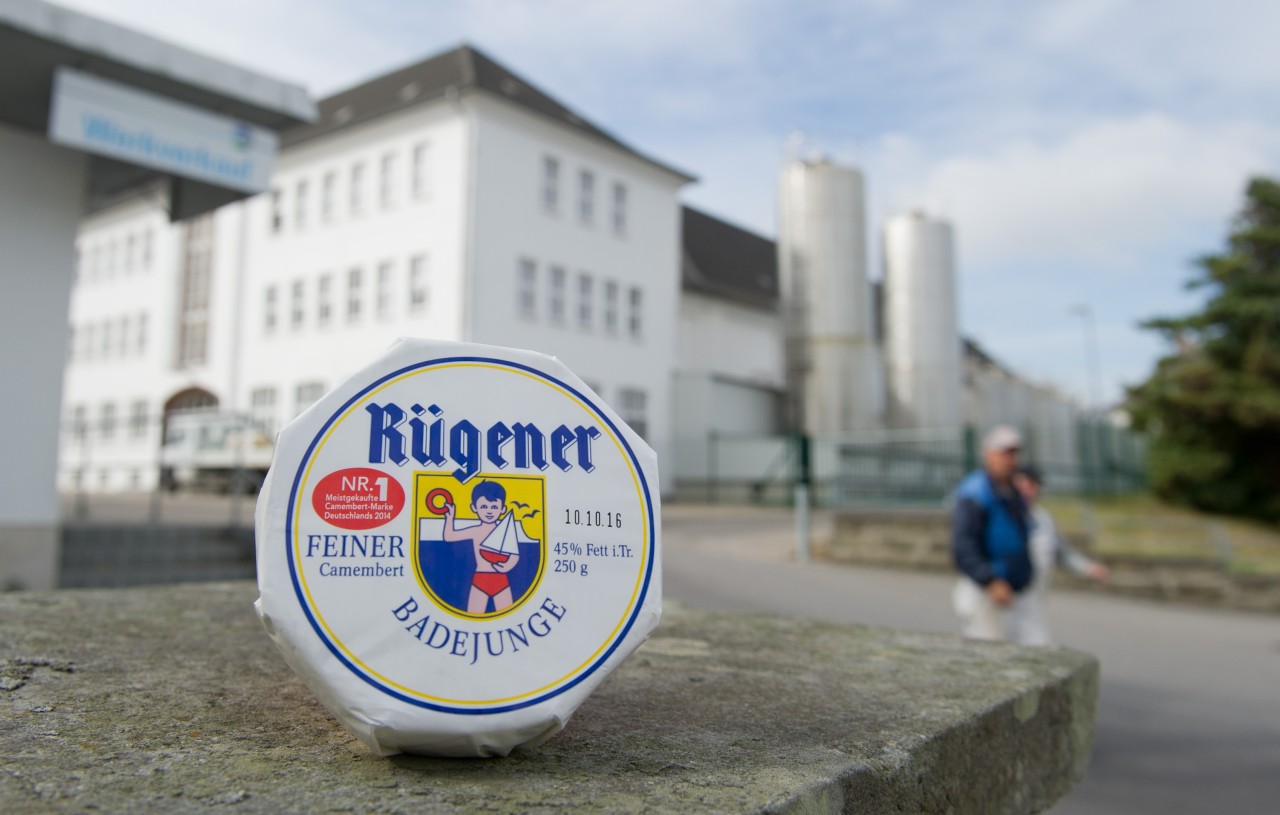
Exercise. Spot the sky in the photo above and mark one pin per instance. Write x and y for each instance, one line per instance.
(1087, 152)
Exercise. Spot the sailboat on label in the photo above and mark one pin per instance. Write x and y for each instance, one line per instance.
(502, 542)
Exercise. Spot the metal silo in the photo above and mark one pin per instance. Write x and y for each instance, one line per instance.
(833, 362)
(922, 340)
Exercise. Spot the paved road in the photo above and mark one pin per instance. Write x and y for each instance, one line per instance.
(1189, 720)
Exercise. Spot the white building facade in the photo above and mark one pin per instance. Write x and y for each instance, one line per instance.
(449, 200)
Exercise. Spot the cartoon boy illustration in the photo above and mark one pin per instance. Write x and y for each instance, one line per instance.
(495, 547)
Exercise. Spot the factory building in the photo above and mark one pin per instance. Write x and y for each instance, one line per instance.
(451, 199)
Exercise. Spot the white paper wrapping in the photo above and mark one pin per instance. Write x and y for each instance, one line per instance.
(456, 546)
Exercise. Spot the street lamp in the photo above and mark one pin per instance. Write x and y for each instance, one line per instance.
(1091, 476)
(1092, 355)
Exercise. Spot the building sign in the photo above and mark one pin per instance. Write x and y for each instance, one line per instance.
(109, 119)
(456, 546)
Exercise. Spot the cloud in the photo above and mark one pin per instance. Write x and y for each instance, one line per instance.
(1103, 195)
(1186, 54)
(1085, 149)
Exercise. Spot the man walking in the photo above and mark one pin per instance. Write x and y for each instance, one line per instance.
(989, 538)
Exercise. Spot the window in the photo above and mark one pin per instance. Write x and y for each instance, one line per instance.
(91, 266)
(262, 404)
(86, 342)
(356, 192)
(586, 196)
(634, 312)
(269, 309)
(631, 408)
(122, 340)
(138, 419)
(526, 288)
(142, 334)
(148, 248)
(193, 314)
(262, 398)
(550, 183)
(353, 295)
(297, 304)
(305, 395)
(611, 306)
(107, 422)
(324, 299)
(385, 282)
(421, 185)
(328, 189)
(130, 252)
(584, 300)
(556, 304)
(108, 339)
(417, 283)
(111, 259)
(300, 205)
(79, 423)
(277, 211)
(619, 208)
(386, 183)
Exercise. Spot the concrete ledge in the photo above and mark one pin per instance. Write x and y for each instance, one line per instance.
(172, 699)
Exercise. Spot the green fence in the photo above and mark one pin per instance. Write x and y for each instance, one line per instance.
(902, 466)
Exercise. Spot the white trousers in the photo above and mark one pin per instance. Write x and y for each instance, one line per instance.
(1023, 621)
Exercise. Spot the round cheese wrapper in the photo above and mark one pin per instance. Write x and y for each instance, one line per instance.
(456, 546)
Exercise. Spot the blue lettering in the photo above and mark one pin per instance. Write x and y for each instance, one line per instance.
(438, 628)
(585, 435)
(385, 442)
(549, 606)
(517, 633)
(459, 648)
(468, 447)
(499, 435)
(538, 626)
(464, 443)
(418, 628)
(405, 609)
(531, 446)
(562, 439)
(428, 440)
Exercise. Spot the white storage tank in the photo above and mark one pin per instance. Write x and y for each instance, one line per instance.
(922, 338)
(833, 359)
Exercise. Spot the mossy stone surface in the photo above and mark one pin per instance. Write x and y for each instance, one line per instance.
(173, 699)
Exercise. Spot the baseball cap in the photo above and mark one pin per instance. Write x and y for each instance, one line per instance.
(1002, 437)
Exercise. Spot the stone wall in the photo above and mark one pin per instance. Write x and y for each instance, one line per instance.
(173, 699)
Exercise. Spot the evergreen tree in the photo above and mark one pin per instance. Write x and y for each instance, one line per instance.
(1213, 407)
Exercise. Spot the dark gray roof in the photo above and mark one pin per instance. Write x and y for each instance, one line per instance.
(462, 70)
(728, 262)
(975, 353)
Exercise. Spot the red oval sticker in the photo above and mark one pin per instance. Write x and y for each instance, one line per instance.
(358, 498)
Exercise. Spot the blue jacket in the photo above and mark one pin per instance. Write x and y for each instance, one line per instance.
(989, 534)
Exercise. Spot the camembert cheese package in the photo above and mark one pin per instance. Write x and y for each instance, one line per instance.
(456, 546)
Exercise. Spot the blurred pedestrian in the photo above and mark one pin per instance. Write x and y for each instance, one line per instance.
(1027, 621)
(990, 538)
